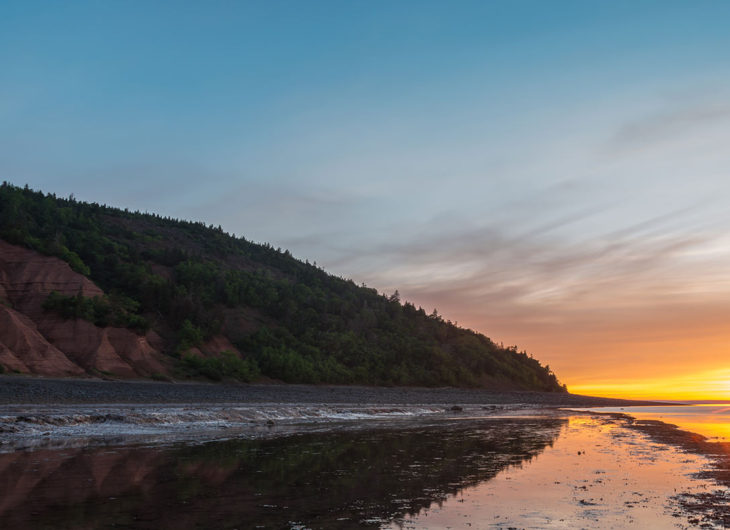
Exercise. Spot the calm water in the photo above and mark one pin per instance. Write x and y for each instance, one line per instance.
(598, 474)
(317, 480)
(564, 471)
(711, 420)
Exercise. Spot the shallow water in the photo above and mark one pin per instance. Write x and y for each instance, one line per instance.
(598, 474)
(28, 427)
(335, 479)
(517, 468)
(710, 420)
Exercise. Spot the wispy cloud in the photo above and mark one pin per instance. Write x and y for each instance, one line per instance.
(583, 305)
(306, 214)
(676, 120)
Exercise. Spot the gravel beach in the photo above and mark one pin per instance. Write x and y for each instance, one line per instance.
(31, 390)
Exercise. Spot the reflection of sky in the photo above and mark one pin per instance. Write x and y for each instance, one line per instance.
(597, 471)
(710, 420)
(551, 174)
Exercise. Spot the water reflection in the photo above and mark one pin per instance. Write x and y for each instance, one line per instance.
(599, 474)
(317, 480)
(710, 420)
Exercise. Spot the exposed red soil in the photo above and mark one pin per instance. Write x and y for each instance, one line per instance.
(38, 342)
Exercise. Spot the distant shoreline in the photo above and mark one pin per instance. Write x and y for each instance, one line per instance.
(17, 390)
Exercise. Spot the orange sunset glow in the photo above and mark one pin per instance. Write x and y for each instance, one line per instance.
(669, 352)
(641, 313)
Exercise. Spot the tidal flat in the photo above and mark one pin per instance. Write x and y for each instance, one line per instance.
(339, 466)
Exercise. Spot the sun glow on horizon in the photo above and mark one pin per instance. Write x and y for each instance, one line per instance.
(706, 385)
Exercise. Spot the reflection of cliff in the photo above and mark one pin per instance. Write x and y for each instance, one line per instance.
(332, 480)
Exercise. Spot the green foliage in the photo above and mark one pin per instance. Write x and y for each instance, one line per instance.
(71, 258)
(304, 325)
(103, 311)
(287, 365)
(225, 365)
(190, 336)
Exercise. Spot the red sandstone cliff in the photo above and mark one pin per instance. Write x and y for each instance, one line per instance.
(38, 342)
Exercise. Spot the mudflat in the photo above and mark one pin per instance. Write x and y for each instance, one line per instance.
(141, 454)
(559, 469)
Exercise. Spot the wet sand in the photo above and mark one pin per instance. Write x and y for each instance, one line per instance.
(711, 507)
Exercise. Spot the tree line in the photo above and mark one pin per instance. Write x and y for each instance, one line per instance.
(186, 279)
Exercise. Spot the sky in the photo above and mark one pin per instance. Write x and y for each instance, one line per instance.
(554, 174)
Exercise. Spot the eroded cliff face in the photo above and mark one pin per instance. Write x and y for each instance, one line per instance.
(39, 342)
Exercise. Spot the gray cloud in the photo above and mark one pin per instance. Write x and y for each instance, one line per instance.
(550, 293)
(263, 212)
(581, 307)
(681, 119)
(516, 256)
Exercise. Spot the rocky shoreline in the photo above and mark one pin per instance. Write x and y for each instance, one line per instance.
(32, 390)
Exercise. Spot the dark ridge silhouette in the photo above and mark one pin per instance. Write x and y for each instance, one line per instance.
(204, 303)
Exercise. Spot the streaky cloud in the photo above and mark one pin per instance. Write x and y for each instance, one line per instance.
(681, 119)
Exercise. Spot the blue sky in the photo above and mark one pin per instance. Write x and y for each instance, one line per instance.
(535, 170)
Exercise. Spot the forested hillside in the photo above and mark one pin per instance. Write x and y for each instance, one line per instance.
(224, 307)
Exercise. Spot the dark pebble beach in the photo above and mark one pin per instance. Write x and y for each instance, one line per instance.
(32, 390)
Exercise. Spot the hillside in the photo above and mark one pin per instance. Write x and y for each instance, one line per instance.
(90, 289)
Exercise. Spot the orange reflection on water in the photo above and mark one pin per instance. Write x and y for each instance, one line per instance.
(598, 474)
(710, 420)
(714, 431)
